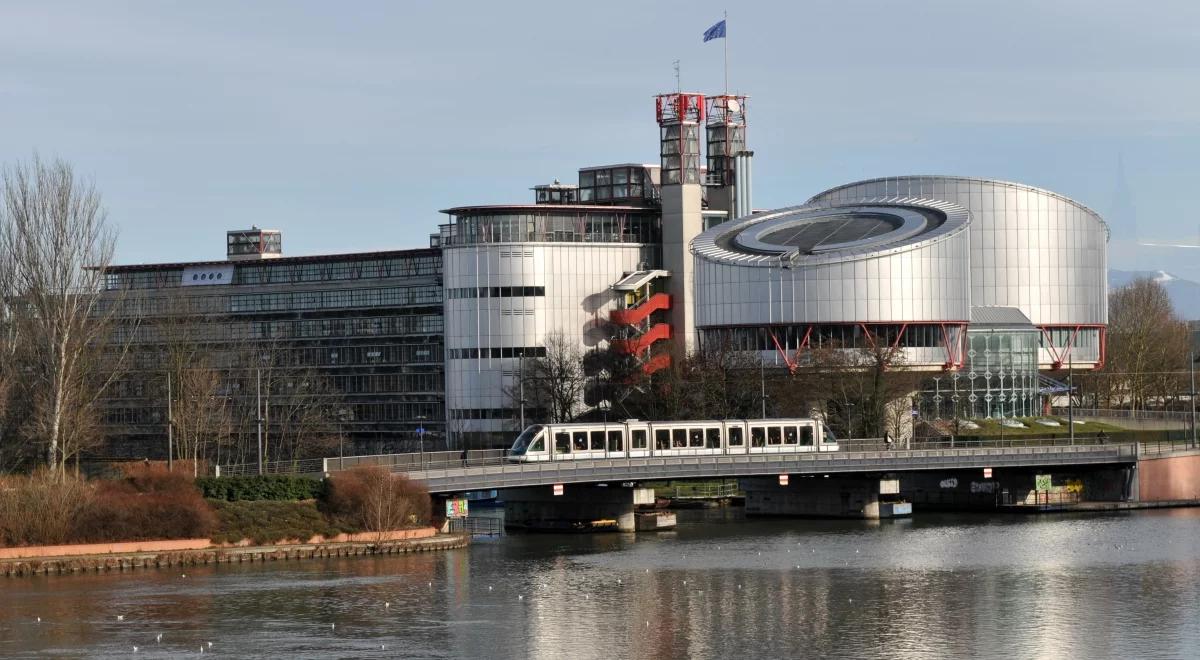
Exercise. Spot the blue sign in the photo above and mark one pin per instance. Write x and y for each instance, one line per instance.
(420, 430)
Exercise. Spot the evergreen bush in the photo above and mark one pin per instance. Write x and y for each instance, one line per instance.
(279, 487)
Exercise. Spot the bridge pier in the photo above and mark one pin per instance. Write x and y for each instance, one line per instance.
(580, 507)
(813, 496)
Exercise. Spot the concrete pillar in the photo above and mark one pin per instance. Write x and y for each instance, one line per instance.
(819, 497)
(681, 222)
(580, 508)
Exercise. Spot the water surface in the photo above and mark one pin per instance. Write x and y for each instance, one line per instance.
(1124, 585)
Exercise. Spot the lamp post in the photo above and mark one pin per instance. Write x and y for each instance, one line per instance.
(1192, 398)
(762, 383)
(258, 418)
(1071, 394)
(171, 428)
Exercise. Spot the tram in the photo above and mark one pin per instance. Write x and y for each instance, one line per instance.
(634, 438)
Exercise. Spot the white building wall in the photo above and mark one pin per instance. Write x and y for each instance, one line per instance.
(1030, 248)
(924, 283)
(577, 302)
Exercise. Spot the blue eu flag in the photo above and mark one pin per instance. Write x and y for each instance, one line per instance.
(715, 32)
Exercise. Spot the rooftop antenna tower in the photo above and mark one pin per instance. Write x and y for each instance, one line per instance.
(678, 85)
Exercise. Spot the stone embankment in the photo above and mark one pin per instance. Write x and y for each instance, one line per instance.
(175, 557)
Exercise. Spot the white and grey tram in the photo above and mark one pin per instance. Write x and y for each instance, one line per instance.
(633, 438)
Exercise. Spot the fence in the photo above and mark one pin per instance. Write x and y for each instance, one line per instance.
(1125, 413)
(704, 490)
(477, 526)
(305, 466)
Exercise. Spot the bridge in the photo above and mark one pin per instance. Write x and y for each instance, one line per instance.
(444, 472)
(847, 482)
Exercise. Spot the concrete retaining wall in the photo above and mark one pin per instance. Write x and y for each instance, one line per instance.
(1169, 478)
(77, 549)
(181, 558)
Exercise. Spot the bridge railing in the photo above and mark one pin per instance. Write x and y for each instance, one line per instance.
(303, 466)
(442, 460)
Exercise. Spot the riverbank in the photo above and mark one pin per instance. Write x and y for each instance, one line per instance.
(1095, 507)
(176, 558)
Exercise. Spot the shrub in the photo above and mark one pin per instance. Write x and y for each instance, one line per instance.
(148, 503)
(265, 487)
(266, 522)
(43, 508)
(375, 500)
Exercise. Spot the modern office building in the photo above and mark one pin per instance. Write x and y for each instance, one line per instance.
(983, 285)
(367, 325)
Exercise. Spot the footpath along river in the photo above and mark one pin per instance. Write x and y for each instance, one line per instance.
(1097, 586)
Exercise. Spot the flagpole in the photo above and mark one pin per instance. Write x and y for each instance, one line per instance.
(725, 18)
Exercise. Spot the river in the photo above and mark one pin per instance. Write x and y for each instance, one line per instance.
(720, 586)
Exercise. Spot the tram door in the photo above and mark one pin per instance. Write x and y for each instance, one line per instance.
(735, 438)
(639, 440)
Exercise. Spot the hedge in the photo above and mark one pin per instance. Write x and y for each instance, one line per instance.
(265, 522)
(266, 487)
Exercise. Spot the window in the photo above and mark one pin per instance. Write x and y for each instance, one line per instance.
(638, 440)
(695, 437)
(806, 436)
(789, 435)
(712, 438)
(597, 440)
(662, 438)
(580, 438)
(758, 436)
(615, 441)
(562, 442)
(735, 436)
(538, 445)
(773, 435)
(679, 438)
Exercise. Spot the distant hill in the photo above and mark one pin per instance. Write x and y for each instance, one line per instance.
(1185, 294)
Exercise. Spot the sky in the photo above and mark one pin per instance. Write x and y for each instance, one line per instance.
(350, 125)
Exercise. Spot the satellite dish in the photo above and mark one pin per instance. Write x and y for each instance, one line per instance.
(734, 106)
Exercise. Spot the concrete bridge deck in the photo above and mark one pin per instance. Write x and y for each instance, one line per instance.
(500, 474)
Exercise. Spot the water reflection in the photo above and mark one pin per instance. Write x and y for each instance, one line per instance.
(719, 586)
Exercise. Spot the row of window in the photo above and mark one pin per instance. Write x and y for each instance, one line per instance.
(308, 356)
(201, 331)
(681, 438)
(488, 413)
(284, 272)
(304, 300)
(408, 413)
(496, 352)
(495, 292)
(579, 227)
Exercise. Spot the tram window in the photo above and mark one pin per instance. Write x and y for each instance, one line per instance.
(539, 444)
(758, 436)
(695, 437)
(679, 438)
(562, 442)
(735, 436)
(773, 435)
(712, 438)
(615, 441)
(662, 439)
(580, 438)
(789, 435)
(597, 440)
(637, 439)
(806, 436)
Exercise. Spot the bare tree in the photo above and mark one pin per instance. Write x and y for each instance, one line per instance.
(53, 231)
(554, 383)
(299, 406)
(1148, 347)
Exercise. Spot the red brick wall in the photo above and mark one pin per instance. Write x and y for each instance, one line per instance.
(1165, 479)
